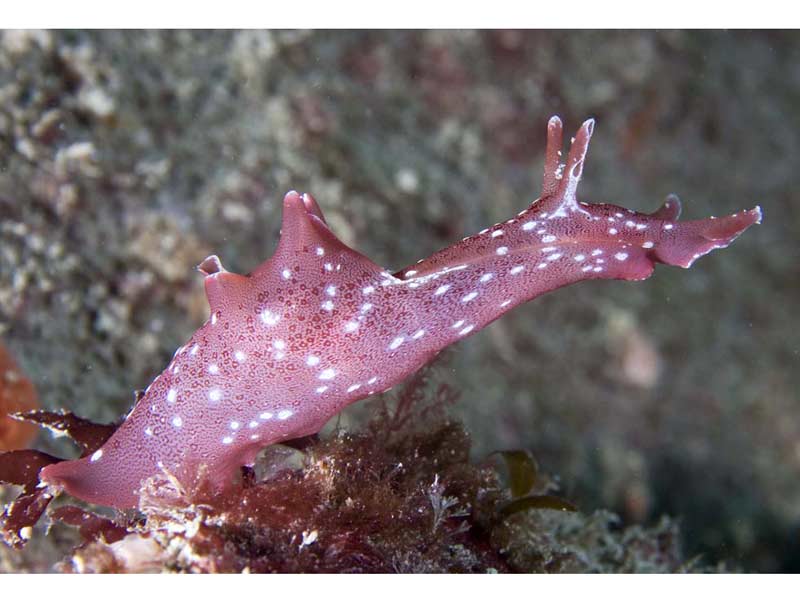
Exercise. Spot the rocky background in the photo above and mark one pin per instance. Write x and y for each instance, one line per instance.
(127, 157)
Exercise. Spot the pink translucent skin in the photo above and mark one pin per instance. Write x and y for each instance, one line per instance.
(319, 326)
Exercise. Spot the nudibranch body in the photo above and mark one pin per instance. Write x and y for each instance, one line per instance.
(319, 326)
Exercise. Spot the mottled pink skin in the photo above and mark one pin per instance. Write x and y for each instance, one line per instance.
(319, 326)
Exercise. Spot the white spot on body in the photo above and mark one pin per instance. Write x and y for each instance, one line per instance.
(215, 395)
(411, 273)
(214, 318)
(350, 326)
(235, 425)
(287, 274)
(497, 233)
(612, 231)
(327, 305)
(486, 277)
(502, 250)
(418, 334)
(269, 318)
(372, 380)
(458, 324)
(177, 421)
(441, 290)
(97, 455)
(227, 440)
(469, 297)
(396, 342)
(327, 374)
(172, 396)
(194, 349)
(213, 369)
(265, 416)
(668, 226)
(505, 303)
(579, 257)
(279, 345)
(353, 387)
(321, 389)
(555, 256)
(648, 245)
(284, 414)
(240, 356)
(620, 256)
(597, 252)
(366, 307)
(517, 270)
(330, 290)
(549, 238)
(368, 290)
(312, 361)
(529, 226)
(466, 330)
(320, 251)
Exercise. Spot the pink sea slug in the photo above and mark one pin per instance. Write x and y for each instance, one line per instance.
(319, 326)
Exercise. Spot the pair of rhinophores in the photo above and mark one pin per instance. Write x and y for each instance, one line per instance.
(319, 326)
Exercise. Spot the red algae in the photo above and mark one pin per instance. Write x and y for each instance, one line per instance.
(17, 394)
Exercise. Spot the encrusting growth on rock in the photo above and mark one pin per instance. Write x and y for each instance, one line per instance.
(319, 326)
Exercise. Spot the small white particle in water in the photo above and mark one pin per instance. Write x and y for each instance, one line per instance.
(529, 226)
(269, 317)
(284, 414)
(441, 290)
(469, 297)
(548, 238)
(321, 389)
(330, 290)
(458, 324)
(320, 251)
(213, 369)
(327, 305)
(466, 330)
(327, 374)
(227, 440)
(214, 395)
(497, 233)
(353, 387)
(396, 342)
(172, 395)
(265, 416)
(240, 356)
(177, 421)
(621, 256)
(502, 250)
(97, 455)
(517, 270)
(648, 245)
(486, 277)
(579, 257)
(287, 274)
(612, 231)
(350, 326)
